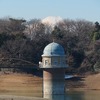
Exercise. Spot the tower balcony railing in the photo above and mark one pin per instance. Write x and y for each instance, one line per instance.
(52, 65)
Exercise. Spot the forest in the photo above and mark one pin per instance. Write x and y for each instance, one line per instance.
(22, 43)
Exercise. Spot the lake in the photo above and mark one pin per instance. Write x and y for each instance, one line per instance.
(83, 95)
(78, 95)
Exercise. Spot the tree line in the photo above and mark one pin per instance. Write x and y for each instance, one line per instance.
(24, 41)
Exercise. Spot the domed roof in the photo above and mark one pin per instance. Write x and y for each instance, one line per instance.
(53, 49)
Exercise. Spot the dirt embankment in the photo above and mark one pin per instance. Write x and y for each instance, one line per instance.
(20, 85)
(28, 85)
(87, 82)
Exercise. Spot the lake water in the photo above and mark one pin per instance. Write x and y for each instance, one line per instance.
(76, 95)
(83, 95)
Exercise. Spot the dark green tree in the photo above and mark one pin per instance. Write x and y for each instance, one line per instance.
(96, 33)
(57, 33)
(16, 26)
(97, 26)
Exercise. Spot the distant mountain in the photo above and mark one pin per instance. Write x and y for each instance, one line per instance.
(52, 20)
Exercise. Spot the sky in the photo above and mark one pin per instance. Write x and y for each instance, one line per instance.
(39, 9)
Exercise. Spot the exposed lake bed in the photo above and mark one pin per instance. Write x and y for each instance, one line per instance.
(28, 85)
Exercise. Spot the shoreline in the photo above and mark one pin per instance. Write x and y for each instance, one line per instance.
(16, 85)
(84, 83)
(12, 97)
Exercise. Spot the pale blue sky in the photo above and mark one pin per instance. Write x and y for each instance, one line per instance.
(71, 9)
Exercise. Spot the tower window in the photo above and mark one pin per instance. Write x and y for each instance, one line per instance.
(46, 62)
(55, 61)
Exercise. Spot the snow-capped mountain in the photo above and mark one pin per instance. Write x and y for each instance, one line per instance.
(52, 20)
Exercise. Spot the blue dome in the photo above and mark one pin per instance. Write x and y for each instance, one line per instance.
(53, 49)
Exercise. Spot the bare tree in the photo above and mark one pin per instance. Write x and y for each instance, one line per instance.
(34, 28)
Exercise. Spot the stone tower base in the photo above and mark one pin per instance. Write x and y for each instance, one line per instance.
(53, 82)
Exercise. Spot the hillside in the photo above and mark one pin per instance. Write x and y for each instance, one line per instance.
(30, 85)
(90, 82)
(20, 85)
(22, 42)
(16, 86)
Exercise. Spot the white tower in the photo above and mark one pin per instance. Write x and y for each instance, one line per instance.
(53, 65)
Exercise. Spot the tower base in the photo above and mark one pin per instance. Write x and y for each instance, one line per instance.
(53, 82)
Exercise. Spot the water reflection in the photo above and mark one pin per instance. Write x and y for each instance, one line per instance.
(56, 97)
(74, 95)
(67, 96)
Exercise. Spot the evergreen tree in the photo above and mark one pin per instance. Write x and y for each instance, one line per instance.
(57, 33)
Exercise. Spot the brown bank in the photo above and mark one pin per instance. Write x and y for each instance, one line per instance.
(14, 86)
(86, 82)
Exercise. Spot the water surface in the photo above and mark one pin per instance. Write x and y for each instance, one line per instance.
(78, 95)
(83, 95)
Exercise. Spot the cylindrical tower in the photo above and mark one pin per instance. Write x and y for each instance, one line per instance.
(53, 65)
